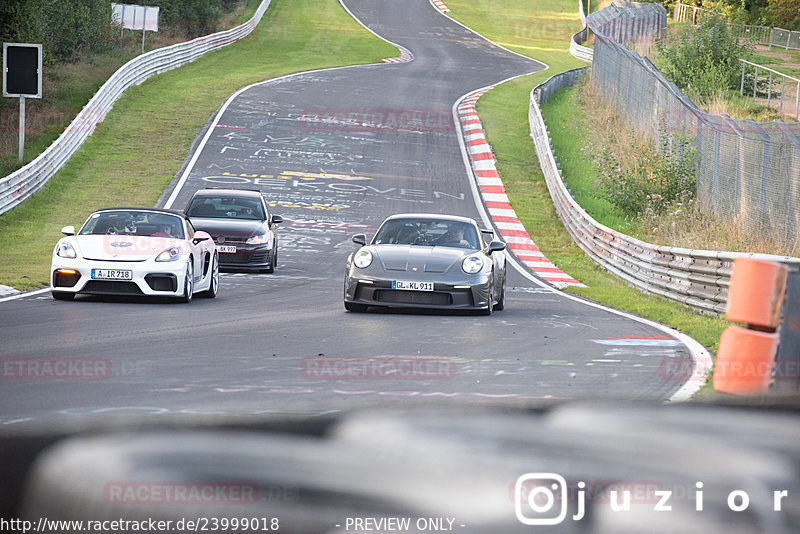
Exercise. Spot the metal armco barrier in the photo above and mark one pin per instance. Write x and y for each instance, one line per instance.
(697, 278)
(584, 53)
(20, 185)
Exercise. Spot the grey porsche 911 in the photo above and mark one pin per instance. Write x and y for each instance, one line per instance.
(426, 261)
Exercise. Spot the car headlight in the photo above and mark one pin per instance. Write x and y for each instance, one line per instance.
(65, 250)
(171, 254)
(472, 264)
(258, 239)
(363, 259)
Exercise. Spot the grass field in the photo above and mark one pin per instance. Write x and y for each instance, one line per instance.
(135, 152)
(504, 113)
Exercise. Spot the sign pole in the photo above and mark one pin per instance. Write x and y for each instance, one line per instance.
(22, 129)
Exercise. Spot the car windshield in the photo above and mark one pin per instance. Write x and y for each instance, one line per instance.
(428, 233)
(222, 207)
(133, 222)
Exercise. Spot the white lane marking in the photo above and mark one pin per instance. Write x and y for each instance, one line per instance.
(26, 294)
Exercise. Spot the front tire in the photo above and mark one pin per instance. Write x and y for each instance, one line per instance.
(501, 300)
(188, 284)
(213, 286)
(273, 261)
(490, 305)
(62, 295)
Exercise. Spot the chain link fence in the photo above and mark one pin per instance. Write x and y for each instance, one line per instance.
(747, 171)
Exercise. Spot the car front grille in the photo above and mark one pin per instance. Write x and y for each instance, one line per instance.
(413, 297)
(243, 257)
(108, 287)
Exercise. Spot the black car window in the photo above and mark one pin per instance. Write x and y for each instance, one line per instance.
(131, 222)
(428, 232)
(227, 208)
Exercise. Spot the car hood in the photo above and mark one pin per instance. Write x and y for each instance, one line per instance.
(124, 247)
(229, 227)
(428, 259)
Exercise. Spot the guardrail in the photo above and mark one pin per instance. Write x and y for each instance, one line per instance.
(698, 278)
(21, 184)
(584, 53)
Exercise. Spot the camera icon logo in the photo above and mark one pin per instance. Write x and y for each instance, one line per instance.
(540, 499)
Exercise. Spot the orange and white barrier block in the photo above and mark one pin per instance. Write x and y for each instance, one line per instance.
(746, 355)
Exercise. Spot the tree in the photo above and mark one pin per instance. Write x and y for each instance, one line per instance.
(784, 14)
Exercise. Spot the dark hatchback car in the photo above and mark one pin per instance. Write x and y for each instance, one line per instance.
(240, 223)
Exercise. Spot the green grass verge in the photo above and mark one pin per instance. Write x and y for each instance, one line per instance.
(780, 64)
(504, 113)
(136, 151)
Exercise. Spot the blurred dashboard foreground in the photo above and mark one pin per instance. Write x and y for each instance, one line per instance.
(601, 467)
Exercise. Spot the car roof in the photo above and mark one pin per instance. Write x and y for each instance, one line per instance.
(438, 216)
(138, 208)
(232, 192)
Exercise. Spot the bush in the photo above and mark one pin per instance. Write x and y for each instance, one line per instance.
(704, 60)
(652, 183)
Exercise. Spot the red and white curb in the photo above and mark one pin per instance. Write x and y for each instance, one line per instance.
(496, 200)
(404, 57)
(438, 4)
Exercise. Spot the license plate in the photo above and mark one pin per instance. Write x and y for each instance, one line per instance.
(412, 286)
(226, 249)
(112, 274)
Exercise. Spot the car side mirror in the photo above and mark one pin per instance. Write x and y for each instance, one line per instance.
(200, 236)
(496, 246)
(360, 239)
(68, 230)
(276, 219)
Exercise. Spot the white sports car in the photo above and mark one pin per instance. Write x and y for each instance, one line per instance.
(135, 251)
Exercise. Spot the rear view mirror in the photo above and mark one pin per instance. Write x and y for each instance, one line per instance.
(68, 230)
(360, 239)
(200, 236)
(496, 246)
(276, 219)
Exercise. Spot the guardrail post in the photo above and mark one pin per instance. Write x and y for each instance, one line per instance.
(787, 360)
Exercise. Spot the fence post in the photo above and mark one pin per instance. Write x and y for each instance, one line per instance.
(741, 88)
(755, 83)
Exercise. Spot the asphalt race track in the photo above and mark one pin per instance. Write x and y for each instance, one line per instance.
(335, 152)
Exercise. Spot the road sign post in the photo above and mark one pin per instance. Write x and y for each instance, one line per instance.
(22, 78)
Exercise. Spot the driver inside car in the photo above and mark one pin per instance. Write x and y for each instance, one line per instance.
(454, 237)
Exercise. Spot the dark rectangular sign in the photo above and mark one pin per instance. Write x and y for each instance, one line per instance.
(22, 70)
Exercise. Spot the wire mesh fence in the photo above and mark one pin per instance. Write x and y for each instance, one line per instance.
(747, 171)
(765, 35)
